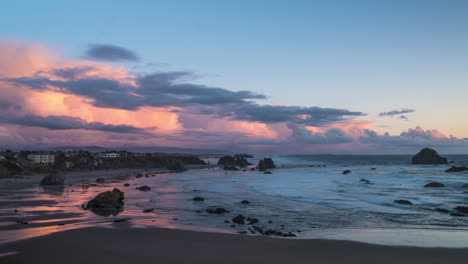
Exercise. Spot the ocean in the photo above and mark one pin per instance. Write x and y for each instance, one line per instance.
(307, 195)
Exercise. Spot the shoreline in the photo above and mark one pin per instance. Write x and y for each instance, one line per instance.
(137, 245)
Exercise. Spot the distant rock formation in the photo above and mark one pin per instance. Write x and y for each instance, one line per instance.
(53, 179)
(265, 164)
(231, 161)
(107, 200)
(428, 156)
(456, 169)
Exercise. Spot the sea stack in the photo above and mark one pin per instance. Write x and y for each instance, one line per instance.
(428, 156)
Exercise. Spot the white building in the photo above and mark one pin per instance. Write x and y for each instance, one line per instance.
(106, 155)
(42, 159)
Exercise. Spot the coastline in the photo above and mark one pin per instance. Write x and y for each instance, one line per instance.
(99, 245)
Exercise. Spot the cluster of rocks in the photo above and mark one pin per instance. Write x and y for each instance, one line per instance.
(230, 162)
(265, 164)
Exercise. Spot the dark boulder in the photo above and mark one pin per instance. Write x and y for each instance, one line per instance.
(229, 161)
(346, 172)
(365, 181)
(198, 199)
(217, 210)
(442, 210)
(100, 180)
(456, 169)
(148, 210)
(267, 172)
(434, 185)
(428, 156)
(107, 200)
(463, 209)
(139, 175)
(240, 219)
(143, 188)
(403, 202)
(252, 220)
(127, 184)
(265, 164)
(53, 179)
(245, 202)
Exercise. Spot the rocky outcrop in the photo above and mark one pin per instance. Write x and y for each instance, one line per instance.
(403, 202)
(265, 164)
(434, 185)
(107, 200)
(53, 179)
(428, 156)
(456, 169)
(229, 161)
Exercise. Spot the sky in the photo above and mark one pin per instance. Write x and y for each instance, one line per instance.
(282, 77)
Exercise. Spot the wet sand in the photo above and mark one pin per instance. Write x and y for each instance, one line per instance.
(99, 245)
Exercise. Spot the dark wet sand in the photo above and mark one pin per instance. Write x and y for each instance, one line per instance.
(98, 245)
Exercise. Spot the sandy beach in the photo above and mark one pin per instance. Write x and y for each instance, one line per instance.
(98, 245)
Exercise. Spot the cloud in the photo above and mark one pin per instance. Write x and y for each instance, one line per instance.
(65, 123)
(164, 89)
(397, 112)
(110, 53)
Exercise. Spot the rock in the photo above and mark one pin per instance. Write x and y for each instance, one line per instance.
(143, 188)
(198, 199)
(465, 185)
(463, 209)
(428, 156)
(245, 202)
(53, 179)
(139, 175)
(434, 185)
(365, 181)
(441, 210)
(252, 169)
(456, 169)
(267, 172)
(240, 219)
(121, 220)
(148, 210)
(230, 168)
(456, 214)
(265, 164)
(373, 168)
(252, 220)
(107, 200)
(217, 210)
(232, 226)
(127, 184)
(242, 232)
(229, 161)
(227, 221)
(100, 180)
(176, 166)
(346, 172)
(403, 202)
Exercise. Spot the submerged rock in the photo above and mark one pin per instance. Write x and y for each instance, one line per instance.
(148, 210)
(100, 180)
(457, 214)
(365, 181)
(107, 200)
(252, 220)
(217, 210)
(144, 188)
(245, 202)
(463, 209)
(198, 199)
(441, 210)
(53, 179)
(267, 172)
(428, 156)
(346, 172)
(139, 175)
(456, 169)
(265, 164)
(403, 202)
(127, 184)
(434, 185)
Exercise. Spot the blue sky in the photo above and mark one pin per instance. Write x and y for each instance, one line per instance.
(369, 56)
